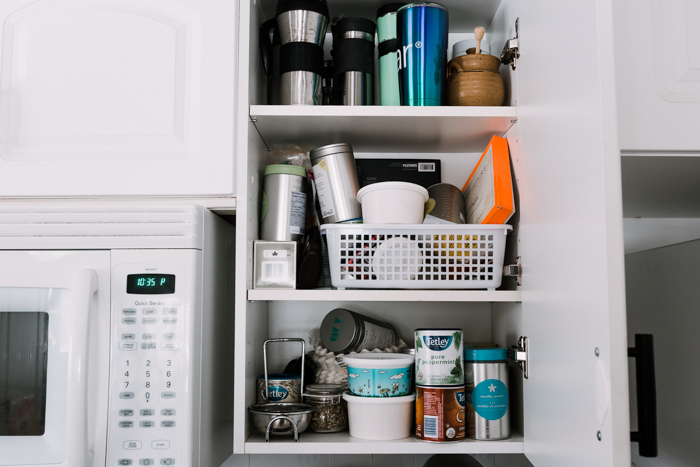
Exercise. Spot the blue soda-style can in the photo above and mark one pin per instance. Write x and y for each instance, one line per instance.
(422, 54)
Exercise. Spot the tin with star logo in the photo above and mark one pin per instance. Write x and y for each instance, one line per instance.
(487, 404)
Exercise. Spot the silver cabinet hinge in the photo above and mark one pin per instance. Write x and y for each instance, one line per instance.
(514, 270)
(519, 354)
(511, 50)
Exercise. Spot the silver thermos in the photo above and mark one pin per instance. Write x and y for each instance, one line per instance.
(353, 61)
(301, 26)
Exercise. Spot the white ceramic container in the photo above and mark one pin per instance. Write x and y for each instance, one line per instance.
(393, 203)
(380, 419)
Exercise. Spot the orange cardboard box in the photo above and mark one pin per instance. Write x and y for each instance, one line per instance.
(489, 189)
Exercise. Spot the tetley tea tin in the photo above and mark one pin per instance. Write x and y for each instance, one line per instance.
(283, 388)
(439, 357)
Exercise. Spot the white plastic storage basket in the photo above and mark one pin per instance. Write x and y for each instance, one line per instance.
(434, 256)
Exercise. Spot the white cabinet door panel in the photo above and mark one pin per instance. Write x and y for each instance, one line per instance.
(117, 97)
(570, 237)
(657, 45)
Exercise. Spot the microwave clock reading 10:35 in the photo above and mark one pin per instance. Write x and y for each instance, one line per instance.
(151, 284)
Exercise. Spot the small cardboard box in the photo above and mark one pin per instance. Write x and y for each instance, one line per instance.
(275, 265)
(489, 189)
(423, 172)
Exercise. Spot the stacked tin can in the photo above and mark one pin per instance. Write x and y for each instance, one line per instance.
(488, 408)
(440, 390)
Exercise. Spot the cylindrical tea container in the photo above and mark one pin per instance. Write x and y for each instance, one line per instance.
(353, 62)
(344, 331)
(388, 54)
(439, 358)
(447, 204)
(488, 408)
(283, 387)
(330, 413)
(440, 413)
(421, 30)
(335, 177)
(284, 203)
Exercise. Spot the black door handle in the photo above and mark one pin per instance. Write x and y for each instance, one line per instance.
(646, 436)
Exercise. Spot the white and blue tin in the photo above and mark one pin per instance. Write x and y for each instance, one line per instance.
(283, 387)
(439, 359)
(380, 374)
(488, 405)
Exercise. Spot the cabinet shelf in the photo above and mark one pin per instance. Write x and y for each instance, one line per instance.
(343, 443)
(383, 128)
(365, 295)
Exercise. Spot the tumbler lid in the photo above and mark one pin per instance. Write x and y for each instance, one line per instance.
(426, 4)
(354, 24)
(339, 331)
(285, 169)
(475, 354)
(388, 8)
(330, 150)
(317, 6)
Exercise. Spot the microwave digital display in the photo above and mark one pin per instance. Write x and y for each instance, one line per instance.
(151, 284)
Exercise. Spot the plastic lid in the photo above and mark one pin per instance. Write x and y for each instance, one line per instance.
(408, 351)
(285, 169)
(392, 186)
(324, 389)
(378, 360)
(351, 398)
(354, 24)
(388, 8)
(338, 330)
(318, 6)
(414, 5)
(485, 354)
(329, 150)
(279, 377)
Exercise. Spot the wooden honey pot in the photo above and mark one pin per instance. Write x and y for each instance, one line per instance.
(473, 79)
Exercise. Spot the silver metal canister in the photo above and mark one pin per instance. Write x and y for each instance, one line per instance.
(335, 177)
(283, 215)
(446, 205)
(344, 331)
(488, 407)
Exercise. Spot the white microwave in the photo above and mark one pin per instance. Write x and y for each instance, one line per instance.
(116, 335)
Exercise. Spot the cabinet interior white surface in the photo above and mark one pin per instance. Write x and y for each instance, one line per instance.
(568, 230)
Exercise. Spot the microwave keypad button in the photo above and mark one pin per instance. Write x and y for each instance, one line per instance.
(149, 320)
(167, 320)
(148, 345)
(167, 461)
(126, 425)
(147, 412)
(148, 337)
(167, 412)
(169, 336)
(125, 462)
(128, 320)
(168, 395)
(128, 337)
(149, 311)
(168, 345)
(160, 444)
(126, 413)
(128, 311)
(132, 444)
(170, 311)
(147, 424)
(126, 395)
(127, 346)
(167, 423)
(146, 462)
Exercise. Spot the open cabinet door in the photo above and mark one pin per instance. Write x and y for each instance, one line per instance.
(575, 401)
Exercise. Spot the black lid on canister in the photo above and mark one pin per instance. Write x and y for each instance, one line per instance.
(388, 8)
(317, 6)
(340, 331)
(354, 24)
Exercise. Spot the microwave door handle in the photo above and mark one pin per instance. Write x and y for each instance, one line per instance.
(84, 287)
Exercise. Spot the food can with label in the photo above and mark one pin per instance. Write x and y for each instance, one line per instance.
(445, 205)
(344, 331)
(284, 203)
(488, 407)
(335, 177)
(440, 412)
(439, 357)
(283, 387)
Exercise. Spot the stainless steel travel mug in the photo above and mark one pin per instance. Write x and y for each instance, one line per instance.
(283, 216)
(353, 61)
(335, 177)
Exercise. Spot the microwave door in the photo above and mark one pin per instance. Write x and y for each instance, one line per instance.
(48, 315)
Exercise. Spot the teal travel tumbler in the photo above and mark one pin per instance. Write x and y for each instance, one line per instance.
(388, 55)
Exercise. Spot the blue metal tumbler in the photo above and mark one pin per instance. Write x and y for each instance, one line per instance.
(422, 40)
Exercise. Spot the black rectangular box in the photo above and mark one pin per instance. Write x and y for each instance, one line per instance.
(424, 172)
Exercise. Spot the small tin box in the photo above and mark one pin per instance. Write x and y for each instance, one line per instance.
(275, 265)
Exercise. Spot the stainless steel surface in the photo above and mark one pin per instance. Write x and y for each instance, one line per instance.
(491, 429)
(276, 225)
(511, 49)
(341, 177)
(449, 203)
(300, 88)
(520, 354)
(353, 88)
(514, 270)
(281, 418)
(355, 35)
(302, 26)
(303, 355)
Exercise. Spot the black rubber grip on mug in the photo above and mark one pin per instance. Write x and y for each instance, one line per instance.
(317, 6)
(387, 47)
(353, 55)
(354, 24)
(301, 56)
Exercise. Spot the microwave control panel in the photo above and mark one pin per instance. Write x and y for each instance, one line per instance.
(148, 372)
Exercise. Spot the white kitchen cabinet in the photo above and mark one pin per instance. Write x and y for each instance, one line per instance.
(118, 98)
(561, 124)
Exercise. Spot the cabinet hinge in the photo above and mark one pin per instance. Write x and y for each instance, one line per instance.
(514, 270)
(519, 354)
(511, 50)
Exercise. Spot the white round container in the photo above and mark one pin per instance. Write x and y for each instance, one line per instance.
(380, 418)
(379, 374)
(461, 47)
(393, 203)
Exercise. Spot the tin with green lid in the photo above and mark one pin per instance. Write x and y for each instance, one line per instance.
(283, 214)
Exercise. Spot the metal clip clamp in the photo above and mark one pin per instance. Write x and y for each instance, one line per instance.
(511, 50)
